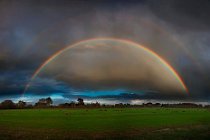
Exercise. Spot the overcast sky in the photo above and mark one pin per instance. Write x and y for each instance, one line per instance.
(33, 30)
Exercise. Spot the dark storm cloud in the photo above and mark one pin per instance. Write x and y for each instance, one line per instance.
(184, 14)
(44, 86)
(189, 21)
(12, 83)
(31, 31)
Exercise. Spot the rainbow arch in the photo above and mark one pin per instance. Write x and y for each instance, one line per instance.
(149, 51)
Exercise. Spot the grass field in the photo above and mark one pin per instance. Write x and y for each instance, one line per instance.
(125, 123)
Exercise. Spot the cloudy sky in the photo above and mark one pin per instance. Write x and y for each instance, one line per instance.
(31, 31)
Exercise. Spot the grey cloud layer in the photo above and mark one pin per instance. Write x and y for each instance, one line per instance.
(31, 31)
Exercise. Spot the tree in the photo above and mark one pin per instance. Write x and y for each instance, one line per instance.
(49, 101)
(44, 102)
(21, 104)
(7, 104)
(72, 104)
(80, 102)
(96, 104)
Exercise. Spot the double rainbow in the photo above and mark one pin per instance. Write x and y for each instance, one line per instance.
(150, 52)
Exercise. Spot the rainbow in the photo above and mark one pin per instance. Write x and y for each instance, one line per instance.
(161, 60)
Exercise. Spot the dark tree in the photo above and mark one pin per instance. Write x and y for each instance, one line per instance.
(80, 102)
(21, 104)
(49, 101)
(44, 102)
(7, 104)
(72, 104)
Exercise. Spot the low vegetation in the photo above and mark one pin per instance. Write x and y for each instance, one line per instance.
(105, 123)
(48, 103)
(77, 120)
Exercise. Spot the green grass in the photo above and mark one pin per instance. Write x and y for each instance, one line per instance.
(135, 123)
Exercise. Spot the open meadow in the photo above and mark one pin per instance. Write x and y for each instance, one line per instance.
(105, 123)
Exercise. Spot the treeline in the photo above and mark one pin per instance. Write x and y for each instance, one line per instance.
(48, 103)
